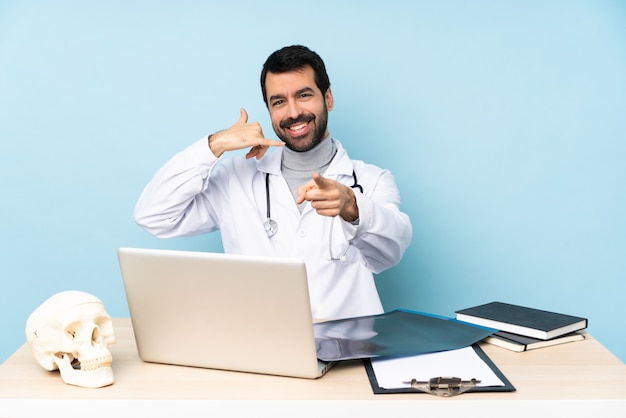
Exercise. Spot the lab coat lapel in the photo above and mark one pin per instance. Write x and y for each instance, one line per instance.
(270, 162)
(341, 165)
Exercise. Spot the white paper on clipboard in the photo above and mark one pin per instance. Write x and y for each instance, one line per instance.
(397, 372)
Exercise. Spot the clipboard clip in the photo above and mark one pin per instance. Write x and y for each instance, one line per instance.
(444, 386)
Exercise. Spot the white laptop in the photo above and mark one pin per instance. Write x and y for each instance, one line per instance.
(221, 311)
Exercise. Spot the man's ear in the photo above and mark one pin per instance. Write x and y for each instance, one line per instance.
(330, 101)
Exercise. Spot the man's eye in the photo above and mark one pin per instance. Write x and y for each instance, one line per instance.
(277, 102)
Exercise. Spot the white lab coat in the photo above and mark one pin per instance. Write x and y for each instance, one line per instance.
(196, 193)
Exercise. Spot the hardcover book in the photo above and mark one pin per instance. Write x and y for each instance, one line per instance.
(530, 322)
(520, 343)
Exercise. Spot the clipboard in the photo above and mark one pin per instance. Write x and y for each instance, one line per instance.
(507, 387)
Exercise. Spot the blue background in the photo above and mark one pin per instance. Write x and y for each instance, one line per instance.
(503, 123)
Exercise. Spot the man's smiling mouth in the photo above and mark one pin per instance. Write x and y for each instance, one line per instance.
(298, 128)
(297, 125)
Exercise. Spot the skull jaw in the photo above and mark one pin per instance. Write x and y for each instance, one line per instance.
(97, 378)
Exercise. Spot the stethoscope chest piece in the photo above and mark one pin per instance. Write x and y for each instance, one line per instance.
(270, 227)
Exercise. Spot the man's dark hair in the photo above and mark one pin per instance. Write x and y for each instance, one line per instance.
(293, 58)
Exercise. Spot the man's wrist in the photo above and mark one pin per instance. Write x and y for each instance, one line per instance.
(351, 211)
(212, 146)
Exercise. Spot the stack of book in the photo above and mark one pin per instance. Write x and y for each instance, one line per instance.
(521, 328)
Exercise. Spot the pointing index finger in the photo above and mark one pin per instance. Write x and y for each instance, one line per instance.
(319, 180)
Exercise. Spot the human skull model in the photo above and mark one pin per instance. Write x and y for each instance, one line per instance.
(71, 331)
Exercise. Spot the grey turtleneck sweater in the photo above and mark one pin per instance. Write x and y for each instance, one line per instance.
(298, 167)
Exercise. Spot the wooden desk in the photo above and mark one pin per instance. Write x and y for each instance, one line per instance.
(576, 379)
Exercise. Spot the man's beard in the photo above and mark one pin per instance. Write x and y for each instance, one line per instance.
(298, 144)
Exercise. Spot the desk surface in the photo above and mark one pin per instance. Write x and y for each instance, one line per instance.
(583, 370)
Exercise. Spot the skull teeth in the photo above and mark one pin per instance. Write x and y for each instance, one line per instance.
(96, 363)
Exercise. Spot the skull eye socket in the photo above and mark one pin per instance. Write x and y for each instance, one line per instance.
(75, 330)
(101, 329)
(105, 329)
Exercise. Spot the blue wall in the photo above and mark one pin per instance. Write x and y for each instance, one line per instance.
(502, 121)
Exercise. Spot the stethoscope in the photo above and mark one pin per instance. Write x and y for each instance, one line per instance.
(270, 225)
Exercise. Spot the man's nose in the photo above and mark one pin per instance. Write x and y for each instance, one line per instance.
(293, 110)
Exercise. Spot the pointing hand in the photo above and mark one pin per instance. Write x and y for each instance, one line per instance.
(329, 198)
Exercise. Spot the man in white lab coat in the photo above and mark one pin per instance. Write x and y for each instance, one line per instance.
(305, 199)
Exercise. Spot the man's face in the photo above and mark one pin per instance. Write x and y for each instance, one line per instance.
(298, 109)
